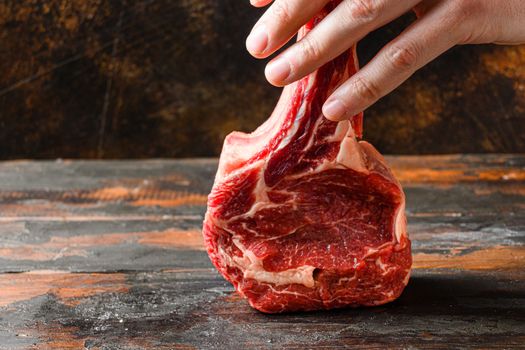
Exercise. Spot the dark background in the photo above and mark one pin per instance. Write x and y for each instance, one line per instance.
(170, 78)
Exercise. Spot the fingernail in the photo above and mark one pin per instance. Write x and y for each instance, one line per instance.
(334, 110)
(278, 70)
(257, 41)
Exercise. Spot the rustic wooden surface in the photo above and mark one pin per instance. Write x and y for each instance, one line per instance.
(108, 255)
(153, 78)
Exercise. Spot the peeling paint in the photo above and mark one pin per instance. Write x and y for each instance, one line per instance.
(70, 288)
(485, 259)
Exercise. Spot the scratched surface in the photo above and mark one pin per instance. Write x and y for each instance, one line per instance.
(154, 78)
(108, 255)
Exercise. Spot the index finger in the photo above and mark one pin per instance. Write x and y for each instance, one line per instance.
(279, 23)
(343, 27)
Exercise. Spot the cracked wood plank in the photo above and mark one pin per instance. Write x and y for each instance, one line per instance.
(109, 255)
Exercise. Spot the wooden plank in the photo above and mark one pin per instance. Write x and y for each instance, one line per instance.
(109, 255)
(152, 190)
(108, 246)
(148, 245)
(197, 309)
(61, 215)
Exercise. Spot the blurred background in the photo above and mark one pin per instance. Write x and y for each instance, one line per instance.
(170, 78)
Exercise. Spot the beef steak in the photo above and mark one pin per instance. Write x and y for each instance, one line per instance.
(302, 216)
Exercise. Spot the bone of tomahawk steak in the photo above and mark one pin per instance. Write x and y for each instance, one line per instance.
(302, 216)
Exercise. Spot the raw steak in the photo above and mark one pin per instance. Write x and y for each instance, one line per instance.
(302, 216)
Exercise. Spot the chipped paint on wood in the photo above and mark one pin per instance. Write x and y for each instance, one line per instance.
(174, 239)
(506, 189)
(140, 196)
(60, 247)
(487, 259)
(192, 199)
(453, 176)
(69, 288)
(110, 255)
(57, 338)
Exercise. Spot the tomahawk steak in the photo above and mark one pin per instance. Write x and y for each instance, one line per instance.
(302, 216)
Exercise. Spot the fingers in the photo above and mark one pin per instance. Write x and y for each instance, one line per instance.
(279, 23)
(424, 40)
(343, 27)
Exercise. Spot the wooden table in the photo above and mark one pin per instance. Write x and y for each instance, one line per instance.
(108, 255)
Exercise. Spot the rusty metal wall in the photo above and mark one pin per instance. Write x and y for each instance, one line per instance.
(126, 79)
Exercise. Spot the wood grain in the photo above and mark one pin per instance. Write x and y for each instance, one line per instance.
(108, 255)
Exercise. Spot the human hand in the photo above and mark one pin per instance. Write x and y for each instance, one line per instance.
(441, 24)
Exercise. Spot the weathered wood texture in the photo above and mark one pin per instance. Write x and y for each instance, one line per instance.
(108, 255)
(153, 78)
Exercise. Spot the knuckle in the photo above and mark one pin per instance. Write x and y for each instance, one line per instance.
(368, 10)
(403, 56)
(464, 10)
(281, 11)
(464, 19)
(366, 90)
(310, 48)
